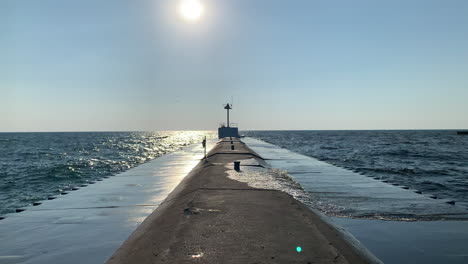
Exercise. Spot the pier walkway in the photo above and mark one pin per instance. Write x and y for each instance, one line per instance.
(210, 218)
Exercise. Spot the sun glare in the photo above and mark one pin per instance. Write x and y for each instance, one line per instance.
(191, 10)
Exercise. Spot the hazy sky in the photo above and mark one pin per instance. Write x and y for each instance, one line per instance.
(299, 64)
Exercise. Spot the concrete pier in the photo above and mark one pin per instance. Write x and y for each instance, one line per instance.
(210, 218)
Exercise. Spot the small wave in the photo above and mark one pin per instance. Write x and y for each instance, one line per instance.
(434, 186)
(277, 179)
(328, 147)
(386, 171)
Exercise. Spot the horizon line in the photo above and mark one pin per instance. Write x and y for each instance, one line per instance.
(207, 130)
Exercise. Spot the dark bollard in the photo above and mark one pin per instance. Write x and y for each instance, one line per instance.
(232, 147)
(237, 165)
(232, 142)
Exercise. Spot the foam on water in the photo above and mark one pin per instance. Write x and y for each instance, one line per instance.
(277, 179)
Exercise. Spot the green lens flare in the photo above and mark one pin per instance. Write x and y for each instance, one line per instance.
(298, 249)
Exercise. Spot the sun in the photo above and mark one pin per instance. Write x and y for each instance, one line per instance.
(191, 10)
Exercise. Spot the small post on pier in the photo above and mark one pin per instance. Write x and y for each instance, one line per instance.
(204, 147)
(237, 165)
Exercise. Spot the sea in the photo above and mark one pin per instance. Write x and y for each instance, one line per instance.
(34, 166)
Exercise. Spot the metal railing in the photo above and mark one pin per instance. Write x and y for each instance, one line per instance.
(230, 125)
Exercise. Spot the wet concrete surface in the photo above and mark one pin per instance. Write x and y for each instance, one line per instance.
(89, 224)
(399, 242)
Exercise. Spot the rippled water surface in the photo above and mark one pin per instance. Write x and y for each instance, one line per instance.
(435, 162)
(36, 165)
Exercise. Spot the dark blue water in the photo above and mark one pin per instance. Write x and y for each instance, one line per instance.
(435, 162)
(36, 165)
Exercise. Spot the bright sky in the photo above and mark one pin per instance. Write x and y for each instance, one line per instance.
(302, 64)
